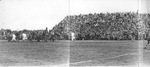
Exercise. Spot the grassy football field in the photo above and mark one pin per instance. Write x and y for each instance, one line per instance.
(104, 53)
(73, 53)
(33, 53)
(146, 54)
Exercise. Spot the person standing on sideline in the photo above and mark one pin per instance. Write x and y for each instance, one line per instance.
(17, 34)
(72, 36)
(45, 35)
(24, 36)
(148, 40)
(13, 37)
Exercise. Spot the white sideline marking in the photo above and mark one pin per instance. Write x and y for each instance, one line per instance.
(18, 50)
(61, 65)
(102, 41)
(146, 51)
(105, 58)
(109, 58)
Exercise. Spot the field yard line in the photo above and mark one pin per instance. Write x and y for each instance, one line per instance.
(20, 58)
(105, 58)
(146, 51)
(103, 41)
(109, 58)
(22, 50)
(19, 50)
(60, 65)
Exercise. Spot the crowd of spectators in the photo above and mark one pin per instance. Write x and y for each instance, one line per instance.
(103, 26)
(106, 26)
(4, 33)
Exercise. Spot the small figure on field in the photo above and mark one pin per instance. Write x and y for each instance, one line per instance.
(13, 37)
(24, 37)
(72, 36)
(148, 40)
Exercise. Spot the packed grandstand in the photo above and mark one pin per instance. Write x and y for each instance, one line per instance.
(99, 26)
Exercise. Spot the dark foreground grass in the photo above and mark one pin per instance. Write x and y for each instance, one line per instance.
(105, 53)
(146, 54)
(78, 53)
(33, 53)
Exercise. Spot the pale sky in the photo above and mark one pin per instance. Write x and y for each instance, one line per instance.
(97, 6)
(32, 14)
(145, 6)
(39, 14)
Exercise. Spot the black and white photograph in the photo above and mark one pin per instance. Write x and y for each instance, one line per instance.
(29, 34)
(106, 33)
(75, 33)
(145, 18)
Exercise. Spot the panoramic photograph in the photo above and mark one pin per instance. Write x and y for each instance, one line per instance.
(145, 12)
(106, 33)
(74, 33)
(29, 34)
